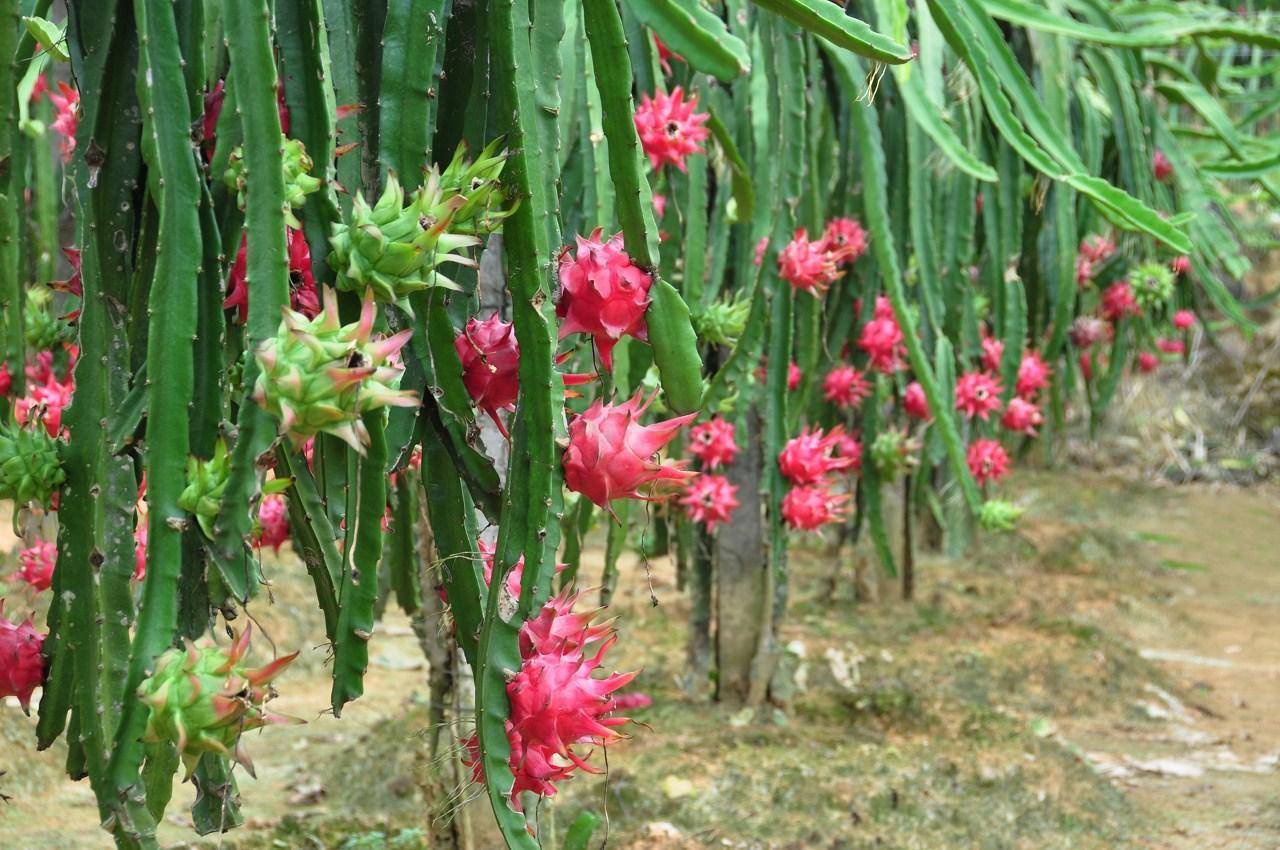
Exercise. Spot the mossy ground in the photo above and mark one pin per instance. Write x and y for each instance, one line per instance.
(968, 718)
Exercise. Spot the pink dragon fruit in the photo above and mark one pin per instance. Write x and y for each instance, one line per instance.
(710, 500)
(977, 394)
(915, 403)
(1022, 416)
(712, 443)
(1119, 302)
(882, 340)
(36, 564)
(1084, 271)
(761, 247)
(1161, 167)
(669, 128)
(1087, 330)
(490, 359)
(992, 353)
(1147, 362)
(987, 460)
(844, 240)
(44, 403)
(850, 447)
(140, 550)
(794, 376)
(812, 506)
(1180, 265)
(845, 387)
(1033, 375)
(67, 102)
(603, 293)
(1184, 320)
(610, 454)
(303, 296)
(1171, 346)
(273, 522)
(809, 457)
(21, 664)
(6, 380)
(806, 265)
(1097, 248)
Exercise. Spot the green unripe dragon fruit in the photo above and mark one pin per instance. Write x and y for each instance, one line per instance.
(30, 469)
(722, 322)
(999, 515)
(298, 182)
(202, 698)
(1153, 285)
(320, 375)
(207, 481)
(42, 328)
(893, 453)
(397, 246)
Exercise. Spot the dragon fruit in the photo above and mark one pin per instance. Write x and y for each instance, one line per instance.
(303, 296)
(1152, 284)
(806, 265)
(37, 564)
(998, 515)
(1097, 248)
(883, 342)
(1087, 330)
(202, 698)
(1171, 346)
(6, 380)
(722, 322)
(1180, 265)
(603, 293)
(850, 447)
(794, 376)
(1147, 362)
(42, 328)
(810, 456)
(206, 482)
(1033, 375)
(1184, 320)
(44, 403)
(1118, 302)
(1161, 167)
(812, 506)
(320, 375)
(490, 359)
(757, 256)
(845, 387)
(915, 403)
(67, 102)
(30, 468)
(844, 240)
(298, 182)
(977, 394)
(710, 500)
(987, 460)
(610, 454)
(273, 522)
(557, 703)
(992, 353)
(712, 442)
(894, 453)
(1022, 416)
(669, 128)
(21, 664)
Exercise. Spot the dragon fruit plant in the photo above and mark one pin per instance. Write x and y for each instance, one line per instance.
(316, 248)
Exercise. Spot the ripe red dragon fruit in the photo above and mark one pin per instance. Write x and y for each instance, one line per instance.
(44, 403)
(273, 521)
(812, 506)
(36, 564)
(1084, 271)
(1171, 346)
(992, 353)
(1022, 417)
(712, 442)
(977, 394)
(557, 701)
(806, 265)
(67, 101)
(710, 500)
(21, 664)
(794, 376)
(915, 403)
(303, 297)
(1147, 362)
(1097, 248)
(850, 447)
(1184, 320)
(882, 340)
(844, 240)
(490, 359)
(669, 128)
(1086, 330)
(1180, 265)
(988, 461)
(1161, 167)
(1119, 302)
(845, 387)
(202, 698)
(807, 458)
(1033, 375)
(610, 454)
(603, 293)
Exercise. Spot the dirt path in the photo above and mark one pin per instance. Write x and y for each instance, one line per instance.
(1208, 772)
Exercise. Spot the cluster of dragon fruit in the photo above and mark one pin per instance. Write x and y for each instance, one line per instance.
(319, 375)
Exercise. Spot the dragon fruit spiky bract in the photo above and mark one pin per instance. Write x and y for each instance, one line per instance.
(319, 375)
(603, 293)
(21, 664)
(202, 698)
(610, 454)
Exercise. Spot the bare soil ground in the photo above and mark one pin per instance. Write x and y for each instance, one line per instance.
(1107, 678)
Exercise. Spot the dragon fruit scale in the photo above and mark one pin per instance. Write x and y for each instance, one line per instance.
(203, 697)
(21, 665)
(320, 375)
